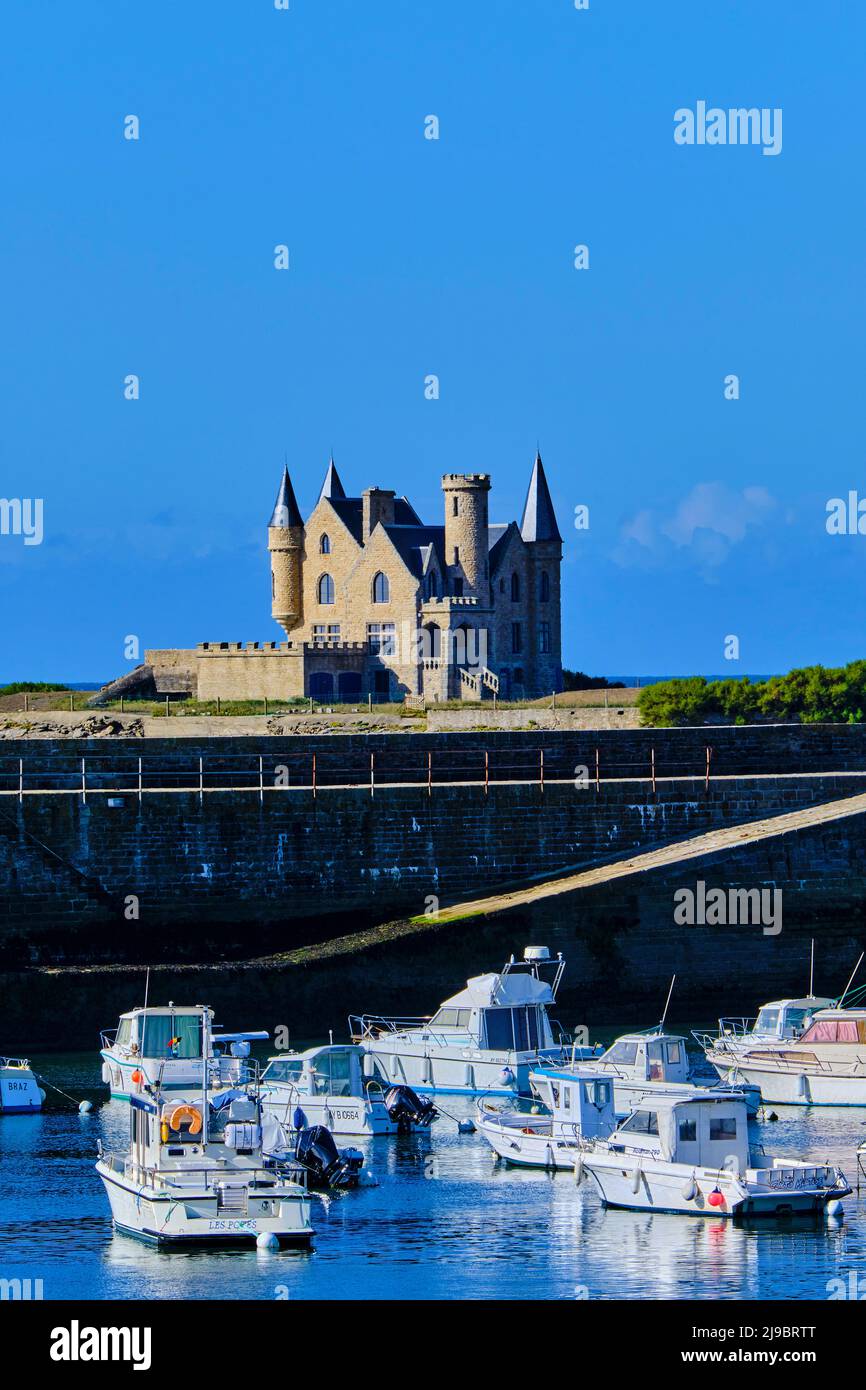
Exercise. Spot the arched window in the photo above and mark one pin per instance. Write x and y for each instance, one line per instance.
(515, 588)
(325, 544)
(544, 587)
(381, 588)
(326, 589)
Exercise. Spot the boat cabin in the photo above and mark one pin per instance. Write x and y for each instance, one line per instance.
(705, 1130)
(647, 1057)
(320, 1071)
(837, 1026)
(581, 1104)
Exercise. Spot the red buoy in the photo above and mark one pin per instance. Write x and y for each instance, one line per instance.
(716, 1198)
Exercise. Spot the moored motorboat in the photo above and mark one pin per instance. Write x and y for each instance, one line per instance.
(826, 1065)
(333, 1085)
(545, 1130)
(20, 1092)
(648, 1063)
(778, 1021)
(196, 1173)
(486, 1038)
(692, 1155)
(165, 1047)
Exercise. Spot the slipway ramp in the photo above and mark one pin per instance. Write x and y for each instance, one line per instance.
(696, 847)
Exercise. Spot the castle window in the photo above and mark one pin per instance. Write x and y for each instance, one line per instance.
(326, 589)
(457, 587)
(544, 587)
(455, 505)
(518, 675)
(326, 633)
(516, 638)
(544, 637)
(381, 588)
(430, 585)
(457, 554)
(515, 589)
(502, 586)
(381, 639)
(325, 544)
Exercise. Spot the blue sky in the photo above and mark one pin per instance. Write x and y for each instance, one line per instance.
(454, 257)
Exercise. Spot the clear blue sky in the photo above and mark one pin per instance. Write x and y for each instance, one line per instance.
(454, 257)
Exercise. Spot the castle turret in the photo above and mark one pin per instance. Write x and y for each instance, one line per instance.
(286, 542)
(466, 546)
(544, 602)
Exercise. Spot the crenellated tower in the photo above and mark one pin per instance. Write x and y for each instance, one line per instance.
(286, 545)
(466, 540)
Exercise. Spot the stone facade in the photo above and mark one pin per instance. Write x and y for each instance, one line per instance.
(373, 602)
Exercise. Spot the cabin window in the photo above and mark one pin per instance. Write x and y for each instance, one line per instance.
(124, 1032)
(283, 1069)
(325, 544)
(724, 1128)
(332, 1074)
(566, 1097)
(688, 1131)
(768, 1020)
(597, 1093)
(326, 589)
(831, 1030)
(642, 1122)
(623, 1053)
(798, 1018)
(172, 1035)
(674, 1053)
(517, 1028)
(452, 1018)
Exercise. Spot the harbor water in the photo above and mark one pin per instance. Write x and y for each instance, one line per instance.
(443, 1222)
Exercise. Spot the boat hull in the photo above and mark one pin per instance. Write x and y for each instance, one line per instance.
(458, 1071)
(195, 1218)
(342, 1115)
(795, 1087)
(20, 1093)
(523, 1149)
(624, 1182)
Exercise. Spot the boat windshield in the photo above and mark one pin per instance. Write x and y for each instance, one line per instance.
(172, 1035)
(124, 1033)
(451, 1018)
(520, 1029)
(283, 1069)
(623, 1053)
(642, 1122)
(767, 1021)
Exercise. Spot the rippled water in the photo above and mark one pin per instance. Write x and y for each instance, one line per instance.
(444, 1222)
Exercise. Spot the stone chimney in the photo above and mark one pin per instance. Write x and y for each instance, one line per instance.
(378, 504)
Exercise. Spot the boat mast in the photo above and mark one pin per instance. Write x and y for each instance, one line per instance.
(851, 981)
(667, 1004)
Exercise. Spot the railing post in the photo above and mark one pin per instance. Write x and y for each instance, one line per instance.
(21, 780)
(597, 773)
(541, 771)
(83, 782)
(372, 773)
(261, 776)
(654, 769)
(486, 772)
(429, 773)
(200, 781)
(314, 775)
(139, 781)
(707, 782)
(166, 707)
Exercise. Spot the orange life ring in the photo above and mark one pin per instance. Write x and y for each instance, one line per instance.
(528, 1130)
(185, 1114)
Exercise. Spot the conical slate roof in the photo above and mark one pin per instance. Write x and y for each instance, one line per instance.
(286, 512)
(332, 488)
(539, 518)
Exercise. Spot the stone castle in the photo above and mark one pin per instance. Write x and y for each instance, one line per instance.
(373, 602)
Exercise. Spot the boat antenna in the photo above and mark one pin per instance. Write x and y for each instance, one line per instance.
(851, 981)
(812, 972)
(146, 986)
(667, 1002)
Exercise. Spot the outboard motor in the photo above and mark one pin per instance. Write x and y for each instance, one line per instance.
(407, 1109)
(324, 1163)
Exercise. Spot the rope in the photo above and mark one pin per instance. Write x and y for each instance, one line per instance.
(43, 1082)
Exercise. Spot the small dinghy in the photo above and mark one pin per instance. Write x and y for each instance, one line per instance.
(330, 1087)
(546, 1129)
(20, 1093)
(692, 1155)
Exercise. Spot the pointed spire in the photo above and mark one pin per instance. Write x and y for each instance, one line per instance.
(539, 518)
(286, 512)
(332, 488)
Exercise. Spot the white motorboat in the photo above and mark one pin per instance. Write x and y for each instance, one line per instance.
(780, 1020)
(642, 1064)
(486, 1038)
(20, 1093)
(334, 1086)
(692, 1155)
(826, 1065)
(196, 1173)
(164, 1047)
(545, 1130)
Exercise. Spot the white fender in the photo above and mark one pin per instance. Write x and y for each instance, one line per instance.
(689, 1189)
(579, 1170)
(427, 1071)
(469, 1076)
(368, 1064)
(803, 1088)
(635, 1179)
(106, 1073)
